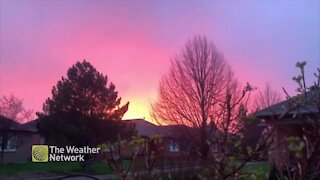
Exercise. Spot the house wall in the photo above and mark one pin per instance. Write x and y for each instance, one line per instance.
(279, 153)
(25, 140)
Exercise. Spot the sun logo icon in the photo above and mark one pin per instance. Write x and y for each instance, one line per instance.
(40, 153)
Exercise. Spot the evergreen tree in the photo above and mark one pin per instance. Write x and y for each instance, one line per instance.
(83, 110)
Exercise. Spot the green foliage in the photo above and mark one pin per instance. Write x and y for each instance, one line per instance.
(301, 64)
(256, 170)
(249, 151)
(296, 146)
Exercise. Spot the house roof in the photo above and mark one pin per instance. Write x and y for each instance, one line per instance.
(6, 123)
(31, 126)
(290, 106)
(9, 124)
(145, 128)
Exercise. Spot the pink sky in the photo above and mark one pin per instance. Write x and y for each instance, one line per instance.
(132, 42)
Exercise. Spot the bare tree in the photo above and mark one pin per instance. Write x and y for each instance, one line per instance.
(201, 93)
(191, 91)
(12, 107)
(266, 98)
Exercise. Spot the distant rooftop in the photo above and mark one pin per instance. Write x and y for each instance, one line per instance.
(145, 128)
(290, 107)
(9, 124)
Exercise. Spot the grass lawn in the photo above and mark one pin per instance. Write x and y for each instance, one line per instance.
(255, 170)
(52, 167)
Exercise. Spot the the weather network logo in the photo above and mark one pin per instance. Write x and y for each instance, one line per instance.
(40, 153)
(45, 153)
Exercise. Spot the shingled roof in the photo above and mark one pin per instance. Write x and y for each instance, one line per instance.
(290, 106)
(9, 124)
(31, 126)
(145, 128)
(6, 123)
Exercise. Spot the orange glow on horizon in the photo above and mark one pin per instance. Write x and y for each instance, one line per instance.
(139, 108)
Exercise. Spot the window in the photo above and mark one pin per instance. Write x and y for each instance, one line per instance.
(11, 143)
(174, 147)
